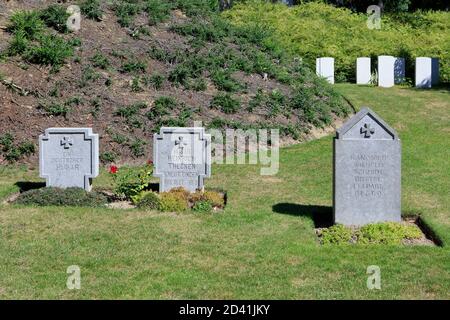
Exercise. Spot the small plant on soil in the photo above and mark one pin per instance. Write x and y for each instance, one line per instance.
(50, 196)
(12, 151)
(226, 103)
(91, 9)
(147, 200)
(130, 182)
(55, 16)
(337, 234)
(202, 206)
(99, 60)
(179, 199)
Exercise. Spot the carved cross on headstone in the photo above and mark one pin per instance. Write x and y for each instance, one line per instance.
(67, 142)
(367, 130)
(181, 143)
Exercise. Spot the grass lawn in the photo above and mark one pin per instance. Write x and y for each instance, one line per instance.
(262, 246)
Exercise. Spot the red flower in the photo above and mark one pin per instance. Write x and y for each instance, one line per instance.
(150, 162)
(113, 169)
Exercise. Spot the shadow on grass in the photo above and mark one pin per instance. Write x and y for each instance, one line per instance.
(321, 215)
(28, 185)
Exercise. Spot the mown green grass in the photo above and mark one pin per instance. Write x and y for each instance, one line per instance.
(252, 249)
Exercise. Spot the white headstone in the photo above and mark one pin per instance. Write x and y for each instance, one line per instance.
(386, 71)
(182, 157)
(423, 72)
(399, 70)
(69, 157)
(363, 72)
(434, 71)
(325, 68)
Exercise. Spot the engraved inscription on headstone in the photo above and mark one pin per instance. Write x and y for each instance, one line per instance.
(69, 157)
(367, 171)
(182, 157)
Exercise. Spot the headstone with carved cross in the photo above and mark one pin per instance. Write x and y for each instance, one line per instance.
(69, 157)
(182, 158)
(367, 171)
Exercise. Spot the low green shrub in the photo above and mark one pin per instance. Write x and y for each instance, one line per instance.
(202, 207)
(134, 66)
(55, 16)
(161, 107)
(129, 182)
(147, 200)
(12, 151)
(173, 202)
(50, 196)
(99, 60)
(223, 81)
(91, 9)
(337, 234)
(28, 23)
(156, 81)
(55, 109)
(125, 12)
(157, 11)
(226, 103)
(108, 156)
(51, 50)
(388, 233)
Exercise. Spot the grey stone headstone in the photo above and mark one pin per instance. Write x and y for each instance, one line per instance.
(69, 157)
(367, 171)
(182, 158)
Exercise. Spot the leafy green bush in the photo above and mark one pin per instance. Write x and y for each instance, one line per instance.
(157, 10)
(173, 202)
(125, 12)
(202, 207)
(27, 22)
(226, 103)
(130, 182)
(162, 107)
(223, 81)
(91, 9)
(15, 151)
(76, 197)
(134, 66)
(51, 50)
(156, 80)
(337, 234)
(55, 109)
(100, 61)
(55, 16)
(300, 32)
(108, 156)
(147, 200)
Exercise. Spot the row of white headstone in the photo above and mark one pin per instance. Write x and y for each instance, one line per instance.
(391, 71)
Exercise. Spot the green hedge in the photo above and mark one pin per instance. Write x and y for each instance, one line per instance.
(313, 30)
